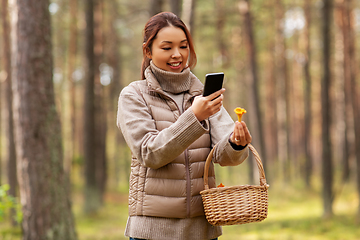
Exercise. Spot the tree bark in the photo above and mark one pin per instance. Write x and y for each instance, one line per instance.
(270, 121)
(188, 9)
(100, 107)
(115, 62)
(92, 194)
(255, 114)
(327, 165)
(175, 6)
(220, 36)
(344, 21)
(44, 187)
(155, 7)
(307, 96)
(270, 91)
(10, 143)
(114, 56)
(355, 88)
(282, 85)
(70, 69)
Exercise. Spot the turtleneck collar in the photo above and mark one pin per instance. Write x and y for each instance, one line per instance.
(172, 82)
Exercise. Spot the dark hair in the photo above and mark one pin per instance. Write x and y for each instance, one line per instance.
(153, 26)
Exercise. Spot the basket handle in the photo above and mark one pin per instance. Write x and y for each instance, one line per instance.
(258, 162)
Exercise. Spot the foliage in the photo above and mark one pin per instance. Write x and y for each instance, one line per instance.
(7, 203)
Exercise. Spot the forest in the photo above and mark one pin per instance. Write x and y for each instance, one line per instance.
(293, 65)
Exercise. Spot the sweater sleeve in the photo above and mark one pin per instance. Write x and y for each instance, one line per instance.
(151, 147)
(221, 127)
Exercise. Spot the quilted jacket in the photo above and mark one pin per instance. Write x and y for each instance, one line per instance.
(169, 147)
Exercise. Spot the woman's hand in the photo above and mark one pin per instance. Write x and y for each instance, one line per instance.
(241, 135)
(204, 107)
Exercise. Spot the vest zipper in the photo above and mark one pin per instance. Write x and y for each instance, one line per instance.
(188, 183)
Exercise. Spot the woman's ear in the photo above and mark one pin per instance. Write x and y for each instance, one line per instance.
(147, 51)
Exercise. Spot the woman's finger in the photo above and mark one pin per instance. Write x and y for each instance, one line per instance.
(242, 135)
(237, 134)
(214, 95)
(248, 137)
(217, 100)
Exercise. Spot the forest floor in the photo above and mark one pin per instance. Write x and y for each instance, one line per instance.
(294, 213)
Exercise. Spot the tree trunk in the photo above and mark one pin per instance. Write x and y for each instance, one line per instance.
(92, 194)
(327, 166)
(188, 9)
(156, 7)
(270, 121)
(282, 92)
(307, 96)
(295, 107)
(115, 62)
(100, 107)
(3, 77)
(175, 6)
(114, 57)
(220, 36)
(344, 21)
(355, 88)
(10, 144)
(255, 114)
(44, 187)
(70, 69)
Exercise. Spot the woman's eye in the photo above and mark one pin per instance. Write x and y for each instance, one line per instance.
(184, 47)
(166, 48)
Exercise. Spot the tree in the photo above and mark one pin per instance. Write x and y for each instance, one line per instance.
(72, 52)
(349, 19)
(344, 21)
(100, 107)
(114, 59)
(175, 6)
(10, 144)
(188, 9)
(92, 193)
(283, 91)
(255, 114)
(44, 187)
(220, 36)
(307, 96)
(270, 121)
(2, 78)
(327, 166)
(155, 7)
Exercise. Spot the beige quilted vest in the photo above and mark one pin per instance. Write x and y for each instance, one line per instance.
(172, 191)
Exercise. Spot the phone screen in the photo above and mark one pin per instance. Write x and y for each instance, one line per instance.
(213, 83)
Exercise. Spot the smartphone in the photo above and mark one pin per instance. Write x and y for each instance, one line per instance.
(213, 83)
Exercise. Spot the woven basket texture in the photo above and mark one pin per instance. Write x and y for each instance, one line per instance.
(236, 204)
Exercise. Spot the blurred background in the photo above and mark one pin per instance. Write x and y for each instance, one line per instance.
(293, 65)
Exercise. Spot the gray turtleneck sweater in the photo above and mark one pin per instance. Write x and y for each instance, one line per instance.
(172, 84)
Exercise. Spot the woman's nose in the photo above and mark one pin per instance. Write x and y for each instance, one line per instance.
(176, 53)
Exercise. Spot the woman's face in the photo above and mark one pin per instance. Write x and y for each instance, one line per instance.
(170, 50)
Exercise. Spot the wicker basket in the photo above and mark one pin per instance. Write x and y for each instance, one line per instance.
(236, 204)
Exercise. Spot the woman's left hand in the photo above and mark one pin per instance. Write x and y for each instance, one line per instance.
(241, 135)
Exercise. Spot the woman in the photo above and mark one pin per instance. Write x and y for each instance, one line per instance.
(170, 128)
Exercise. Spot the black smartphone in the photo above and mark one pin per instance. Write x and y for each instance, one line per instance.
(213, 83)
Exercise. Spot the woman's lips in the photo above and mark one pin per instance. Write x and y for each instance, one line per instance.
(176, 65)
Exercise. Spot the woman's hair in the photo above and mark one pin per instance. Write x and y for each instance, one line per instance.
(153, 26)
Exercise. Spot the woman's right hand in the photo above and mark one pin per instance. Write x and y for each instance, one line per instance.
(204, 107)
